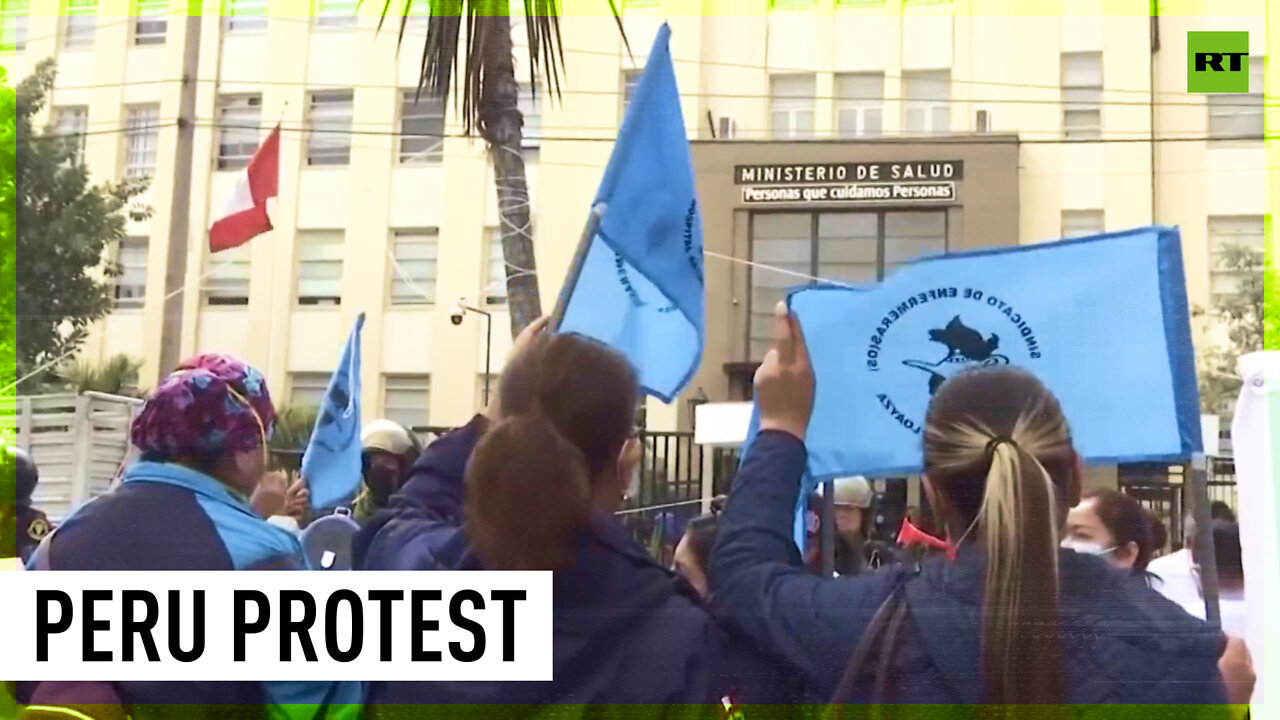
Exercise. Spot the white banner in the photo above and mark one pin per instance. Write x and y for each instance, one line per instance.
(325, 626)
(1253, 440)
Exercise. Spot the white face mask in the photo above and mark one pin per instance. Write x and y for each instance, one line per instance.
(1085, 547)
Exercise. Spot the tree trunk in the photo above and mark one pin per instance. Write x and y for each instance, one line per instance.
(501, 125)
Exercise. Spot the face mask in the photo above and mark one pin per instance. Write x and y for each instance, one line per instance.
(1085, 547)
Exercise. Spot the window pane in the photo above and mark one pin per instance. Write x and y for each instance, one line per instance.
(14, 19)
(1082, 69)
(307, 389)
(847, 246)
(336, 13)
(239, 118)
(927, 85)
(81, 24)
(912, 235)
(495, 290)
(152, 22)
(872, 121)
(422, 128)
(780, 240)
(940, 118)
(320, 256)
(329, 139)
(1077, 223)
(791, 100)
(413, 273)
(246, 16)
(1226, 233)
(141, 137)
(226, 277)
(531, 109)
(70, 123)
(131, 283)
(1235, 116)
(630, 78)
(407, 400)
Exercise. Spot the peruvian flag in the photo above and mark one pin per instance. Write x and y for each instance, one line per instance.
(245, 216)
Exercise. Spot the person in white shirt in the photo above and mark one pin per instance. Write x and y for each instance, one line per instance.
(1176, 575)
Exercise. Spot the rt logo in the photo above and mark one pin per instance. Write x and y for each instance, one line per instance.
(1217, 62)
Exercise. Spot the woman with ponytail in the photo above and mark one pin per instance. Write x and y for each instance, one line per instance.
(533, 484)
(1010, 619)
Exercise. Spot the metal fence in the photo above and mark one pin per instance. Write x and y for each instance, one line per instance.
(1160, 488)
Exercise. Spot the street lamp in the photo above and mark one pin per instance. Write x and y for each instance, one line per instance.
(460, 309)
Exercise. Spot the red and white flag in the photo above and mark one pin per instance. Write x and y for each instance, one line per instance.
(245, 215)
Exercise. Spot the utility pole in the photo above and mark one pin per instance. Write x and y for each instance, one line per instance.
(180, 203)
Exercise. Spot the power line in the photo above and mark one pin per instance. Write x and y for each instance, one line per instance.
(392, 29)
(1243, 103)
(117, 22)
(914, 139)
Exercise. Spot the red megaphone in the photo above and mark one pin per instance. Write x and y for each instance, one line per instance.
(912, 535)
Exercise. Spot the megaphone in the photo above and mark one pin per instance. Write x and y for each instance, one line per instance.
(912, 535)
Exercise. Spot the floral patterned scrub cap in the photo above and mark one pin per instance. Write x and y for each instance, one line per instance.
(212, 404)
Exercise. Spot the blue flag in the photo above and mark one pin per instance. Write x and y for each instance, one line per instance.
(331, 463)
(640, 287)
(1102, 321)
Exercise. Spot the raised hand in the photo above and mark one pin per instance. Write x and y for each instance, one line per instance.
(784, 382)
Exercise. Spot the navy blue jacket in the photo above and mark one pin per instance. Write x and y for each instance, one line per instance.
(168, 517)
(625, 629)
(1123, 642)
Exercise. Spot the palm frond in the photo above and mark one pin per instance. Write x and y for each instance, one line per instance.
(486, 55)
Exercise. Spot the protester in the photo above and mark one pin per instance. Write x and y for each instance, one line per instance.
(390, 449)
(542, 472)
(1175, 575)
(185, 506)
(1219, 510)
(694, 549)
(1012, 620)
(852, 512)
(29, 523)
(1113, 526)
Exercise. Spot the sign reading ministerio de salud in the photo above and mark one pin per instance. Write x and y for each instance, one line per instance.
(849, 182)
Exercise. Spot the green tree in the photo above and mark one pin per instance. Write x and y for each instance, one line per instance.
(7, 227)
(1242, 317)
(65, 225)
(117, 375)
(490, 96)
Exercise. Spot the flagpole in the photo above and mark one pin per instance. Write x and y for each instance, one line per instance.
(575, 267)
(271, 297)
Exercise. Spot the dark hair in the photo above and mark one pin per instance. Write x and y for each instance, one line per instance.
(567, 406)
(1127, 522)
(1219, 510)
(1159, 531)
(1226, 551)
(998, 453)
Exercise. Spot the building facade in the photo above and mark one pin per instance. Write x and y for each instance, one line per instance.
(1045, 124)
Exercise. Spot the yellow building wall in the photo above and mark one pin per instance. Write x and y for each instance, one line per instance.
(1003, 63)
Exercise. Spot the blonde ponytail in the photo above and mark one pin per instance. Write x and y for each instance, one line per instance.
(998, 452)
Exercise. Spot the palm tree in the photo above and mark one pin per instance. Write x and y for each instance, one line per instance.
(490, 97)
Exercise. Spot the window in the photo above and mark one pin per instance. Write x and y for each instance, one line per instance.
(495, 289)
(238, 118)
(336, 13)
(142, 132)
(329, 128)
(630, 79)
(926, 106)
(852, 247)
(407, 399)
(152, 22)
(1078, 223)
(1082, 95)
(531, 109)
(131, 283)
(413, 272)
(81, 22)
(320, 255)
(307, 389)
(791, 106)
(1227, 236)
(226, 277)
(71, 123)
(859, 104)
(13, 24)
(245, 16)
(791, 4)
(1238, 116)
(421, 128)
